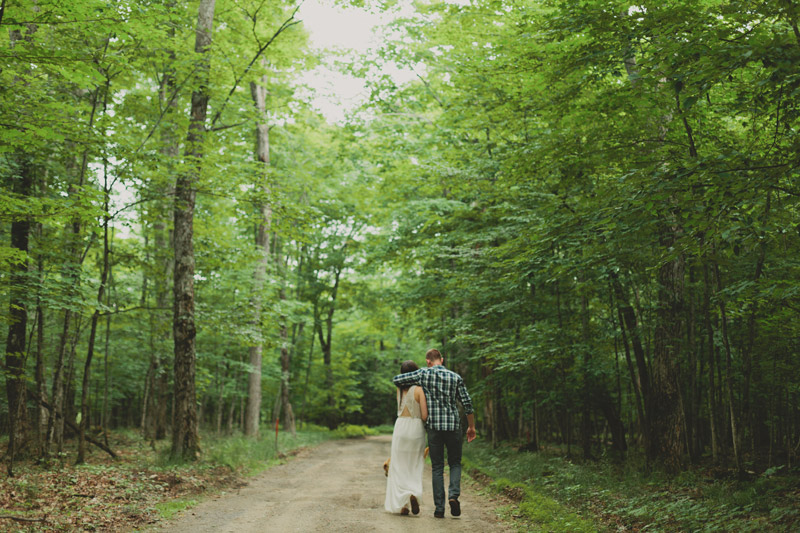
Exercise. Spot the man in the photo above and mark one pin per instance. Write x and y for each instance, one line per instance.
(443, 388)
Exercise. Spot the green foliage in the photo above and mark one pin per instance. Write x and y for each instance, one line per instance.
(384, 429)
(352, 431)
(623, 494)
(552, 152)
(547, 168)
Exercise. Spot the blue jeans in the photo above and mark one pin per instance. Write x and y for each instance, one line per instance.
(437, 442)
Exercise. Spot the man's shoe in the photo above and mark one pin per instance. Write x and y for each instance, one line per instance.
(455, 508)
(438, 514)
(414, 505)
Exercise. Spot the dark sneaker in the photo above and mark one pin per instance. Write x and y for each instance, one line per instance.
(414, 505)
(438, 514)
(404, 511)
(455, 508)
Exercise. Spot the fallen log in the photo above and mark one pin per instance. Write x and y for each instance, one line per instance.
(23, 518)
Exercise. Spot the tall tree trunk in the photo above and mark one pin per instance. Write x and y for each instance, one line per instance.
(748, 409)
(290, 421)
(737, 454)
(665, 409)
(105, 419)
(231, 412)
(612, 416)
(641, 381)
(588, 386)
(185, 438)
(58, 414)
(69, 383)
(308, 366)
(16, 354)
(288, 413)
(220, 397)
(16, 349)
(325, 346)
(263, 227)
(146, 402)
(325, 341)
(690, 415)
(85, 420)
(155, 423)
(712, 382)
(41, 385)
(662, 396)
(55, 420)
(84, 406)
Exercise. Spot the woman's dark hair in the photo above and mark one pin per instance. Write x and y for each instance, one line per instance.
(406, 367)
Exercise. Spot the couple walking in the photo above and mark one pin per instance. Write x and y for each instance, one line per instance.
(427, 395)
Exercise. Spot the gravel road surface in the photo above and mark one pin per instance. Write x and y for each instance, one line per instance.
(336, 486)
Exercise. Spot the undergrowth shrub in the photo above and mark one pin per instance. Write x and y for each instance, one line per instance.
(537, 509)
(352, 431)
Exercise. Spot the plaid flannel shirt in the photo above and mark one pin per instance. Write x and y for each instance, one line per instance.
(442, 388)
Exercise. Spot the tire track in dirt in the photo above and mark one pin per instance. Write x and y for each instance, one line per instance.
(336, 486)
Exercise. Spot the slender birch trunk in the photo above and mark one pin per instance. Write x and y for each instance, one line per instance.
(170, 150)
(253, 407)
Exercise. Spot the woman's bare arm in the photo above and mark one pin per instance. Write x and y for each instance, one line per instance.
(419, 395)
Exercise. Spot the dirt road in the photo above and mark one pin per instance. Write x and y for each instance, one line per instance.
(336, 486)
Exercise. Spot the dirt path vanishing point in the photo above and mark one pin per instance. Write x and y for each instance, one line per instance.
(336, 486)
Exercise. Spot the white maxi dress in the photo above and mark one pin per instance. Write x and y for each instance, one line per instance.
(408, 445)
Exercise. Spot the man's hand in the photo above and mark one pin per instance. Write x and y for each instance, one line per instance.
(470, 427)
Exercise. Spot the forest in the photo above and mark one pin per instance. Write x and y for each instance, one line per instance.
(590, 207)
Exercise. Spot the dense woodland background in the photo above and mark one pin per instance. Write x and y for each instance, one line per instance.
(591, 208)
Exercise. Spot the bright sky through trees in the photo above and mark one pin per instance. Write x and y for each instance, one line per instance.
(340, 35)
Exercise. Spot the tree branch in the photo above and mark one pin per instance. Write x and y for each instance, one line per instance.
(286, 24)
(430, 89)
(137, 308)
(227, 126)
(164, 111)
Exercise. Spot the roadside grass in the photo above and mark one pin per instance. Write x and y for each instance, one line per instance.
(622, 498)
(533, 511)
(170, 508)
(245, 455)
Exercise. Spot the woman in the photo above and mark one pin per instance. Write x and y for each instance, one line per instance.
(404, 483)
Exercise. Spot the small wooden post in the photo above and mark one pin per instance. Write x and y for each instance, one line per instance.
(277, 421)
